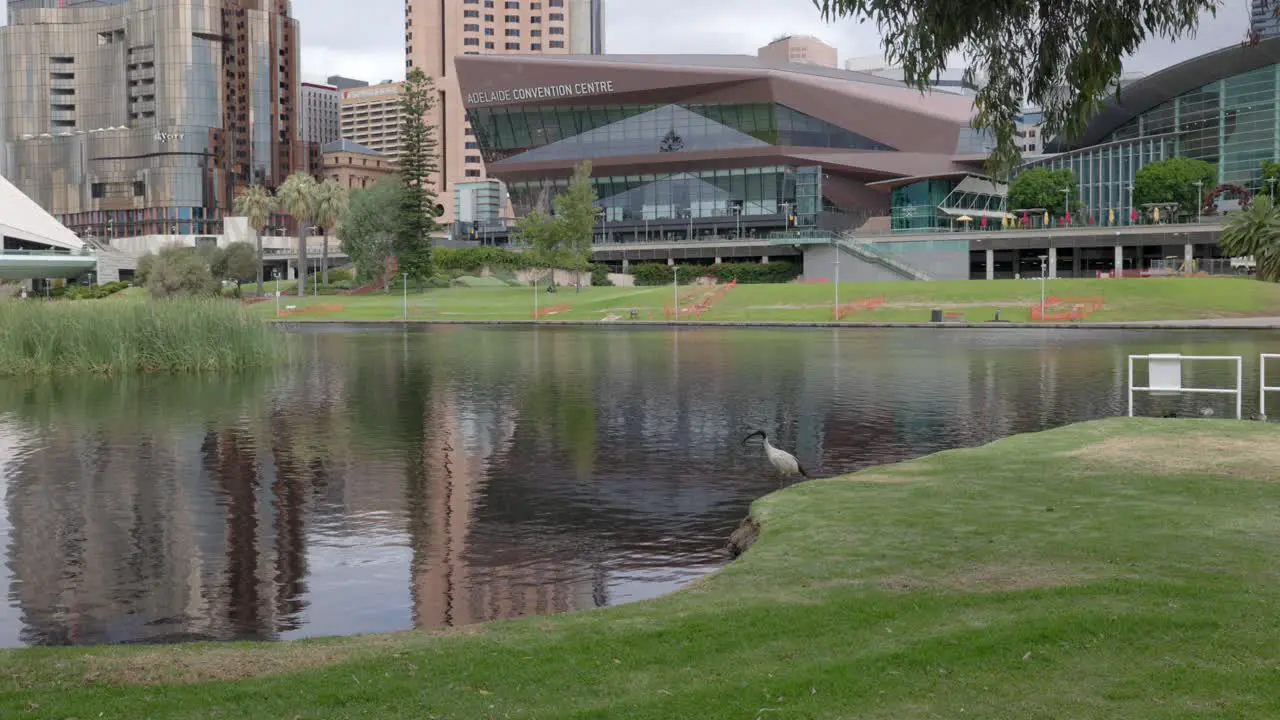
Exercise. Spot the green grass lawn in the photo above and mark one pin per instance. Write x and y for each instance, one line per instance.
(1116, 569)
(1122, 300)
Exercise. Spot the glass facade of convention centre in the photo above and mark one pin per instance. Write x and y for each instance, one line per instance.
(1233, 123)
(532, 134)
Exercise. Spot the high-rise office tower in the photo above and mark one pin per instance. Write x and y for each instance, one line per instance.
(1265, 17)
(371, 117)
(320, 113)
(125, 117)
(436, 31)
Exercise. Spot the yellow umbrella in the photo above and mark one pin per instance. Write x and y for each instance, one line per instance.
(1046, 217)
(1111, 217)
(1155, 214)
(964, 218)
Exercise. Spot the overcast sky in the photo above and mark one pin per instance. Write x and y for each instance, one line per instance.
(364, 38)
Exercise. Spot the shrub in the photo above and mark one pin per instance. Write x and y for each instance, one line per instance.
(340, 284)
(88, 292)
(180, 271)
(179, 335)
(746, 273)
(600, 275)
(473, 259)
(338, 275)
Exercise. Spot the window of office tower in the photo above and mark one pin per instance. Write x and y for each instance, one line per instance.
(573, 132)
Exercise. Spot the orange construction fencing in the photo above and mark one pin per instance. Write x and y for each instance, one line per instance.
(1058, 309)
(859, 305)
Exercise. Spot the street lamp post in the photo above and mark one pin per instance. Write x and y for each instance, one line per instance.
(406, 295)
(836, 246)
(737, 212)
(675, 291)
(275, 272)
(1199, 198)
(786, 216)
(1271, 187)
(1042, 278)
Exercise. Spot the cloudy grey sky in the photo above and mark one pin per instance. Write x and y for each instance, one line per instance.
(364, 38)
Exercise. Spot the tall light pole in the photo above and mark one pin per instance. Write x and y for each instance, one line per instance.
(737, 212)
(836, 246)
(535, 295)
(1066, 201)
(275, 272)
(786, 216)
(1271, 187)
(1199, 197)
(1042, 277)
(1129, 187)
(406, 295)
(675, 291)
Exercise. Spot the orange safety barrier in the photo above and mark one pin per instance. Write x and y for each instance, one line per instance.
(703, 305)
(867, 303)
(553, 310)
(1070, 309)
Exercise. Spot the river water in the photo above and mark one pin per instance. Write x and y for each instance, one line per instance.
(387, 480)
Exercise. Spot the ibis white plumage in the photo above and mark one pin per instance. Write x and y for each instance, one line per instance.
(786, 463)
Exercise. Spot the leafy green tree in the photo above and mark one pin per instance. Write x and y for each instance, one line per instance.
(368, 227)
(179, 271)
(256, 204)
(1062, 55)
(575, 221)
(542, 234)
(330, 204)
(1270, 172)
(417, 166)
(142, 270)
(1174, 180)
(237, 262)
(298, 197)
(1042, 188)
(1255, 232)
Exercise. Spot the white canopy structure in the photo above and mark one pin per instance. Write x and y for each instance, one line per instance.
(21, 218)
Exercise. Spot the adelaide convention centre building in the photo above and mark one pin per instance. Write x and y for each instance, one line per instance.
(706, 158)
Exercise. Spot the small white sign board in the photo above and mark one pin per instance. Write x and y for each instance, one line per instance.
(1165, 372)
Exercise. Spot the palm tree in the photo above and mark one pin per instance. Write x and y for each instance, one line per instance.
(1255, 231)
(256, 204)
(330, 205)
(298, 198)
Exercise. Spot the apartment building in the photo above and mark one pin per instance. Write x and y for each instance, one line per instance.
(799, 49)
(437, 31)
(319, 113)
(371, 117)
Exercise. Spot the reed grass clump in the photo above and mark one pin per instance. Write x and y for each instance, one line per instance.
(181, 335)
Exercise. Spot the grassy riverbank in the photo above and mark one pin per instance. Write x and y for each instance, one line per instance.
(974, 301)
(114, 336)
(1119, 569)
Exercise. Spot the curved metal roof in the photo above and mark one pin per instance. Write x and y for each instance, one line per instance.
(1152, 90)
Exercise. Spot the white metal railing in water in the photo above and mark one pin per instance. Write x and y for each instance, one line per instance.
(1263, 387)
(1164, 376)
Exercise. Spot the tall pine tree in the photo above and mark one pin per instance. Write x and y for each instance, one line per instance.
(418, 166)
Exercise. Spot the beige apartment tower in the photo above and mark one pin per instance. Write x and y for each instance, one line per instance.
(437, 31)
(799, 49)
(371, 117)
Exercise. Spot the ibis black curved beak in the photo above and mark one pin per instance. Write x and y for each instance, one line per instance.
(758, 433)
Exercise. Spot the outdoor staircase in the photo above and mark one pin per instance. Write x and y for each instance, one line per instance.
(863, 250)
(110, 261)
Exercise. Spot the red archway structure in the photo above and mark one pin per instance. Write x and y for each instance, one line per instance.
(1228, 189)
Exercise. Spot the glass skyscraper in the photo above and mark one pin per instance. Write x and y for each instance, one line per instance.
(128, 117)
(1222, 109)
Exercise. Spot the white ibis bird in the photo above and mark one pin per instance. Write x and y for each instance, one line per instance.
(784, 461)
